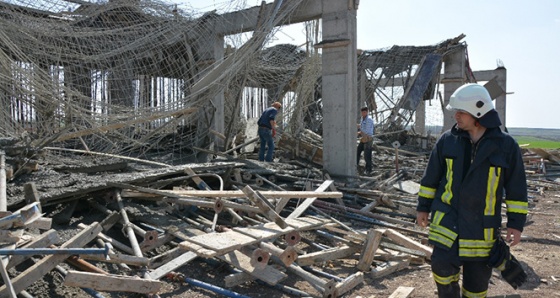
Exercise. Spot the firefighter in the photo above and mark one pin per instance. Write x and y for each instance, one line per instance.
(472, 170)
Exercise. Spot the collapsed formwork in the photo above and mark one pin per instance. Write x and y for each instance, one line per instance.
(140, 77)
(140, 81)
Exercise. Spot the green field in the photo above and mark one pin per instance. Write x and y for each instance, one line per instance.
(535, 142)
(536, 137)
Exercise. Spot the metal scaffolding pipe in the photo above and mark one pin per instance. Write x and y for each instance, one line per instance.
(214, 288)
(128, 227)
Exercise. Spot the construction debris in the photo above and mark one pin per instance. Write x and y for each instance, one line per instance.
(149, 221)
(112, 174)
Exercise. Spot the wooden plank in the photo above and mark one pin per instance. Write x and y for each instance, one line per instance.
(117, 258)
(262, 232)
(402, 292)
(263, 204)
(7, 236)
(197, 249)
(408, 186)
(46, 239)
(41, 223)
(303, 206)
(223, 242)
(327, 255)
(213, 244)
(39, 269)
(349, 283)
(238, 278)
(373, 239)
(111, 283)
(172, 265)
(6, 278)
(408, 243)
(268, 274)
(388, 268)
(267, 193)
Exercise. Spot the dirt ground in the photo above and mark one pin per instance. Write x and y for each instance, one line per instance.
(539, 253)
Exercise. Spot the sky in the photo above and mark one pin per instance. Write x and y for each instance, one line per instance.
(523, 35)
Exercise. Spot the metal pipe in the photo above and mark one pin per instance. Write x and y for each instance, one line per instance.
(127, 227)
(55, 251)
(3, 196)
(214, 288)
(108, 239)
(322, 273)
(138, 230)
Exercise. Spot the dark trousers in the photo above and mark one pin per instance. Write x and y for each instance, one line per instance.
(265, 136)
(446, 269)
(367, 148)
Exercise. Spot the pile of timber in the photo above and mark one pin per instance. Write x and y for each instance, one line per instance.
(113, 225)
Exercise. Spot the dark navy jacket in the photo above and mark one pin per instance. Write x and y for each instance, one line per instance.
(464, 186)
(267, 115)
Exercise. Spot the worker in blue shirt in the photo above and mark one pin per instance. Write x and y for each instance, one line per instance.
(365, 133)
(267, 131)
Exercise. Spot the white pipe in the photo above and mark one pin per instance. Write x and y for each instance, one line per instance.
(3, 199)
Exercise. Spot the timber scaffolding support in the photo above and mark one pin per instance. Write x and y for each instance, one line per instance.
(289, 228)
(153, 113)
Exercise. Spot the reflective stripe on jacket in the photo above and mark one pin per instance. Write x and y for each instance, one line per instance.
(466, 205)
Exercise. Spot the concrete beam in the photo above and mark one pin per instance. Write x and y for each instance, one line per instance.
(246, 20)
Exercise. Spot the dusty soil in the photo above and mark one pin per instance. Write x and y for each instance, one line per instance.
(539, 253)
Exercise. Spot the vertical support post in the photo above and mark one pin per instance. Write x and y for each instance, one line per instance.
(500, 102)
(420, 121)
(128, 226)
(339, 87)
(454, 77)
(3, 196)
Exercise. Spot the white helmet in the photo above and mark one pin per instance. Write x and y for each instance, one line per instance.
(472, 98)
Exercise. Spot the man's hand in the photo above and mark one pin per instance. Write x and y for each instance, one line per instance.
(422, 218)
(513, 236)
(273, 132)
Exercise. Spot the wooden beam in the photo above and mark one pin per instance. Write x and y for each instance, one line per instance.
(33, 273)
(349, 283)
(111, 283)
(267, 193)
(388, 268)
(258, 199)
(327, 255)
(172, 265)
(46, 239)
(303, 206)
(242, 262)
(402, 292)
(408, 243)
(373, 239)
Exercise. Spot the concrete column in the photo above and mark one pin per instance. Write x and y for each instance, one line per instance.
(339, 59)
(420, 122)
(362, 96)
(500, 102)
(453, 78)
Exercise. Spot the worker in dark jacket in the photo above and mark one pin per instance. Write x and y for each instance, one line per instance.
(267, 131)
(470, 170)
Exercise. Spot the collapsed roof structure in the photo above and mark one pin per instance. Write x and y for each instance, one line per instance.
(146, 80)
(137, 77)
